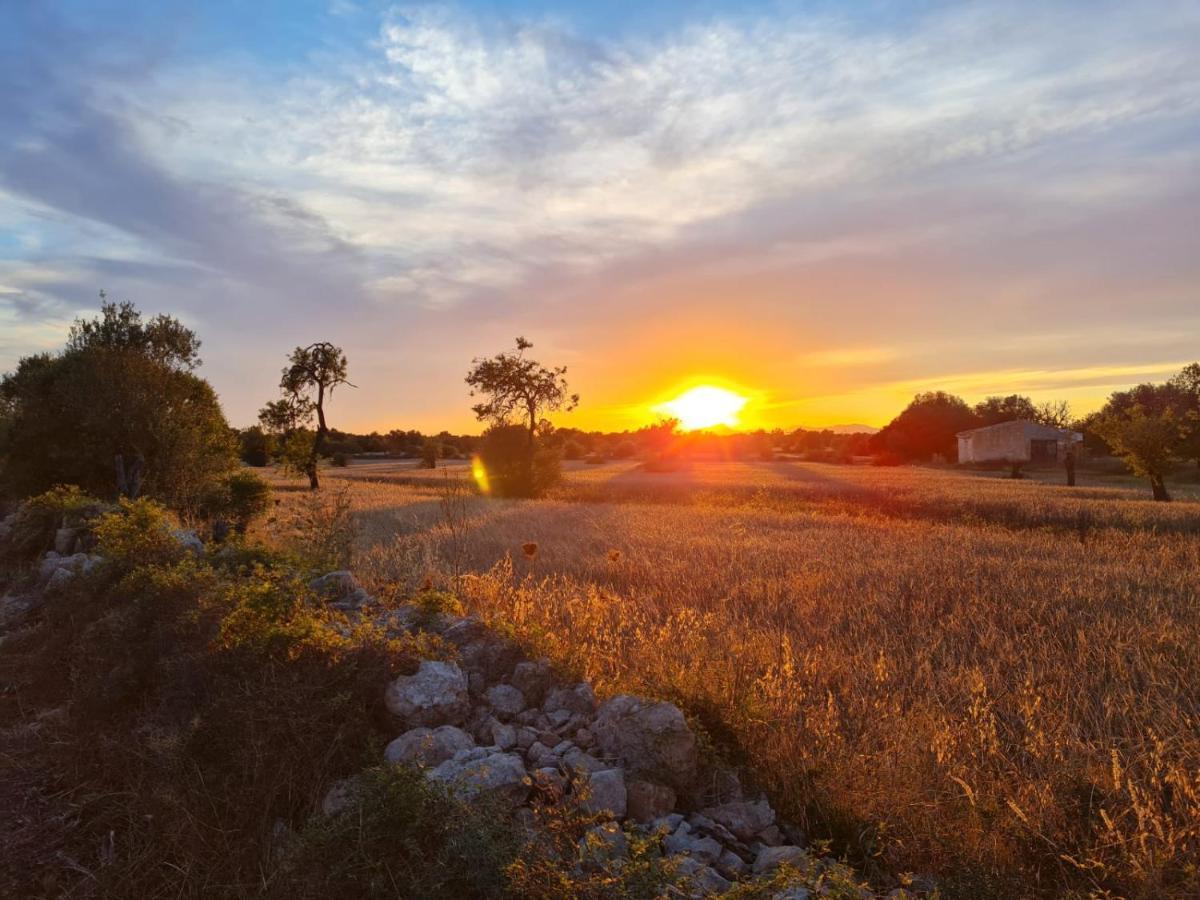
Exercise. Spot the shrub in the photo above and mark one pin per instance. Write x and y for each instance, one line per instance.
(624, 450)
(40, 517)
(240, 497)
(138, 533)
(401, 832)
(257, 446)
(512, 470)
(429, 455)
(574, 450)
(340, 459)
(322, 531)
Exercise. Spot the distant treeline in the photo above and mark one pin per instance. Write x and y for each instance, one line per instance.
(259, 447)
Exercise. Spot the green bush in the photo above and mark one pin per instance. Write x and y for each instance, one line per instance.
(574, 450)
(138, 533)
(513, 468)
(429, 455)
(38, 518)
(240, 497)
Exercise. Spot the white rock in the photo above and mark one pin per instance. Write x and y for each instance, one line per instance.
(606, 793)
(743, 818)
(435, 695)
(189, 541)
(708, 881)
(506, 700)
(498, 774)
(652, 739)
(503, 736)
(771, 858)
(705, 849)
(428, 746)
(603, 843)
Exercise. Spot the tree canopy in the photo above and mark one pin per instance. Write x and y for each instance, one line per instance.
(513, 384)
(927, 427)
(118, 410)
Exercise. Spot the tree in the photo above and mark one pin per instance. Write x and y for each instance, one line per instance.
(515, 387)
(927, 426)
(1186, 388)
(994, 410)
(118, 411)
(307, 382)
(513, 384)
(1147, 439)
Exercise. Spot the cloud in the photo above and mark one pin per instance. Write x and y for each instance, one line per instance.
(451, 172)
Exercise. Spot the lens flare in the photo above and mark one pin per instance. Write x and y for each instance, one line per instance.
(705, 406)
(479, 473)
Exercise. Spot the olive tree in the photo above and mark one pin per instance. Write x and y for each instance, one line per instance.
(518, 392)
(308, 381)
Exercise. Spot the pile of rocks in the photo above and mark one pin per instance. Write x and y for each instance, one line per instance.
(499, 724)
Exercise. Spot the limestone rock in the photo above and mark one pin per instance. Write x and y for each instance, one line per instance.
(653, 739)
(189, 541)
(428, 746)
(497, 774)
(602, 844)
(682, 840)
(648, 801)
(606, 793)
(506, 700)
(771, 858)
(533, 679)
(435, 695)
(578, 699)
(743, 818)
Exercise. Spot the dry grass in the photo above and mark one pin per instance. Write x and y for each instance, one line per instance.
(994, 681)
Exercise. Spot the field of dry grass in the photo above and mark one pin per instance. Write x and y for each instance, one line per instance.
(991, 680)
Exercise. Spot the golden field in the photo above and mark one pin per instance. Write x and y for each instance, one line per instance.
(989, 680)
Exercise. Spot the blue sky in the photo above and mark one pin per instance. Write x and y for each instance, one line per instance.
(830, 205)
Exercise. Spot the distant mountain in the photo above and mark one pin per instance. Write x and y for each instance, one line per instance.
(852, 429)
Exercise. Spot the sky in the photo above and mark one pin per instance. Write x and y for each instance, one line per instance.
(827, 207)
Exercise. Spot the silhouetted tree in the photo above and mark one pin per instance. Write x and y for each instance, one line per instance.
(516, 387)
(308, 381)
(927, 426)
(994, 410)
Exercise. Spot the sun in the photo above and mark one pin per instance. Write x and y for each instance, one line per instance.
(704, 406)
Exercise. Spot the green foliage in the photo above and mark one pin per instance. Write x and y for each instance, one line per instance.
(1150, 442)
(431, 605)
(257, 446)
(121, 388)
(40, 517)
(138, 533)
(512, 471)
(401, 836)
(240, 497)
(573, 450)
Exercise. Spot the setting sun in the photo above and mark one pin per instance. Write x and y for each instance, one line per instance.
(704, 407)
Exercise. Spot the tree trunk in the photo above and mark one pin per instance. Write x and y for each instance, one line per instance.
(314, 481)
(1159, 488)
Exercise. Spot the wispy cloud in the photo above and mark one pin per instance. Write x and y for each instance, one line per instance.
(453, 161)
